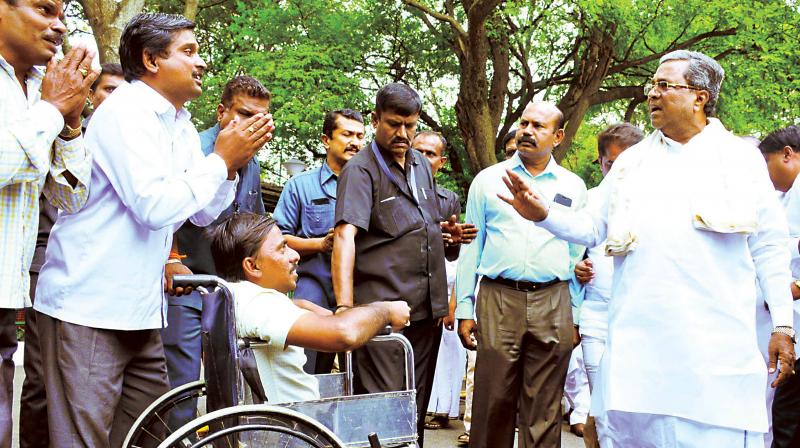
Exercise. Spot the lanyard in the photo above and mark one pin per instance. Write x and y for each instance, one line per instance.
(412, 178)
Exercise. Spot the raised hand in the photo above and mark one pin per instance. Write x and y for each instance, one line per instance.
(240, 140)
(66, 83)
(527, 203)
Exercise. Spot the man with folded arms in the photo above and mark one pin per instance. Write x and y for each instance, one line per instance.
(100, 295)
(693, 223)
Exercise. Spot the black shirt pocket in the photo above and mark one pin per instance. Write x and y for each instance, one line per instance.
(397, 216)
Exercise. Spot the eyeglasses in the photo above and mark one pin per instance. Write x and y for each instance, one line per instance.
(662, 86)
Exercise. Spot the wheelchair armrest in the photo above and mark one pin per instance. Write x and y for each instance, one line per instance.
(183, 281)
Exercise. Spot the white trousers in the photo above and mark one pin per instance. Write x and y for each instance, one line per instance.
(634, 430)
(576, 388)
(593, 349)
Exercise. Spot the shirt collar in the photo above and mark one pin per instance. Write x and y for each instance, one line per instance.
(326, 173)
(387, 156)
(37, 73)
(550, 170)
(159, 104)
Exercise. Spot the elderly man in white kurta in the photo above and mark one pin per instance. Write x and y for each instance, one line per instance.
(692, 223)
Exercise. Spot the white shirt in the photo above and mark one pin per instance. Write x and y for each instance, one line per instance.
(682, 337)
(791, 204)
(268, 315)
(104, 265)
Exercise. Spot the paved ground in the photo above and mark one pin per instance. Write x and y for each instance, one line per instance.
(442, 438)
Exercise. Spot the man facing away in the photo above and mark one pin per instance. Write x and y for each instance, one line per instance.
(305, 213)
(250, 251)
(242, 98)
(781, 150)
(525, 334)
(41, 152)
(693, 222)
(100, 295)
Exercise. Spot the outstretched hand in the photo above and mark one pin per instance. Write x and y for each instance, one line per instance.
(527, 203)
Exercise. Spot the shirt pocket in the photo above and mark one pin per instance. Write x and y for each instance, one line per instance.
(396, 218)
(318, 219)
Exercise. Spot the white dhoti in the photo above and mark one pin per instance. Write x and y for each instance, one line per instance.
(632, 430)
(576, 388)
(450, 366)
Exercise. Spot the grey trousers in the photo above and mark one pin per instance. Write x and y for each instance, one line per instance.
(98, 381)
(8, 345)
(524, 346)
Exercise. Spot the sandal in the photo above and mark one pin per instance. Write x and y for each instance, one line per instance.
(437, 422)
(463, 439)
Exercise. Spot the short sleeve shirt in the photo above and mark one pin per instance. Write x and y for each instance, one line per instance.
(449, 203)
(399, 248)
(305, 209)
(268, 315)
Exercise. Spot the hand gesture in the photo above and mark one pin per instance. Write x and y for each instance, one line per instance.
(240, 140)
(173, 269)
(468, 232)
(452, 230)
(584, 271)
(527, 203)
(66, 83)
(326, 245)
(466, 330)
(781, 349)
(399, 314)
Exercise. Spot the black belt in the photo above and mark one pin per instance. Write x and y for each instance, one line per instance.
(520, 285)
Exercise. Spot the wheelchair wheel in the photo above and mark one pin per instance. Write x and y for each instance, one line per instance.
(153, 425)
(259, 425)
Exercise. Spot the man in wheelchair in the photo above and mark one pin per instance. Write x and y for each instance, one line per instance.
(250, 253)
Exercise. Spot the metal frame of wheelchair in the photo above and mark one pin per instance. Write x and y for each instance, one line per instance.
(337, 419)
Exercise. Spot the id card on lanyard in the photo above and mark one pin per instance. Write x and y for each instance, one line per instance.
(412, 178)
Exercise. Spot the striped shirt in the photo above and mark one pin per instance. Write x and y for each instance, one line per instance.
(32, 161)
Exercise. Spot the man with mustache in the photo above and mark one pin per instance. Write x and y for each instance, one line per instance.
(523, 306)
(100, 295)
(242, 98)
(41, 152)
(305, 215)
(681, 365)
(388, 244)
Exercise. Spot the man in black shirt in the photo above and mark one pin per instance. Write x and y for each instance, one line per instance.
(388, 244)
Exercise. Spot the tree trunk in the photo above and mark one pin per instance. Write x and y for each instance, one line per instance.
(107, 19)
(190, 9)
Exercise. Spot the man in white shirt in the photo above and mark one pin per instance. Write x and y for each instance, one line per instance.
(100, 293)
(41, 152)
(781, 149)
(693, 222)
(250, 251)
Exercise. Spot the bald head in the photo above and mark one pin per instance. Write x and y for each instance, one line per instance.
(540, 130)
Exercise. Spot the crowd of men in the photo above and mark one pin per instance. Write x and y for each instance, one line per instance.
(678, 272)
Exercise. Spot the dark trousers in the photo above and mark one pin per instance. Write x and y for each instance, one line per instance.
(379, 367)
(98, 381)
(33, 401)
(524, 346)
(183, 349)
(786, 414)
(8, 345)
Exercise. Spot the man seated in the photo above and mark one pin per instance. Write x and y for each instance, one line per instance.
(250, 252)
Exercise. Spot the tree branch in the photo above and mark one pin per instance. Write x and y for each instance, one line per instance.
(438, 16)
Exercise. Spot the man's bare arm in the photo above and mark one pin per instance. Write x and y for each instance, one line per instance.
(310, 246)
(347, 329)
(343, 263)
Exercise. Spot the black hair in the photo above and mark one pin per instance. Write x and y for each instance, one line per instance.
(398, 98)
(776, 141)
(235, 239)
(329, 123)
(511, 135)
(439, 135)
(623, 134)
(107, 69)
(148, 33)
(247, 86)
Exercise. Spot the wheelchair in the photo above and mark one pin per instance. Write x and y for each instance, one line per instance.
(238, 414)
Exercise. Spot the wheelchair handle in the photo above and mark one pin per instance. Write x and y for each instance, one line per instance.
(195, 281)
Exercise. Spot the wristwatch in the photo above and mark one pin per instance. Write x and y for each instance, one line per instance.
(68, 133)
(788, 331)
